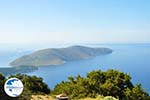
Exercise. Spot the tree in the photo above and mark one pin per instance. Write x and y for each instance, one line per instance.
(3, 95)
(110, 83)
(32, 85)
(136, 93)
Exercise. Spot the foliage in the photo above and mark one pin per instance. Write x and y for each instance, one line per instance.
(99, 97)
(32, 85)
(109, 83)
(136, 93)
(2, 92)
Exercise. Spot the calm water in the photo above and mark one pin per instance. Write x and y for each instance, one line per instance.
(132, 59)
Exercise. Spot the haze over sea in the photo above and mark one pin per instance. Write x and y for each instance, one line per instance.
(129, 58)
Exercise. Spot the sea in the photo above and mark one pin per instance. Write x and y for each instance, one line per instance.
(133, 59)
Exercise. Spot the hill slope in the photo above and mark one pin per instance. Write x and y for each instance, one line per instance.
(53, 56)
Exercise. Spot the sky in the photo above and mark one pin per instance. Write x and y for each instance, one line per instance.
(74, 21)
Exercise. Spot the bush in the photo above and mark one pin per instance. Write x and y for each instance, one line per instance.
(110, 83)
(99, 97)
(32, 85)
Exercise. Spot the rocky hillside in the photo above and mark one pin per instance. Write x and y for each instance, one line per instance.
(58, 56)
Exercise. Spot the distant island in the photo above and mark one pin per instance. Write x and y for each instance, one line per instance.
(58, 56)
(19, 69)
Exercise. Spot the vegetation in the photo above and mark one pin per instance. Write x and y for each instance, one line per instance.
(97, 85)
(48, 97)
(19, 69)
(32, 85)
(99, 97)
(55, 56)
(109, 83)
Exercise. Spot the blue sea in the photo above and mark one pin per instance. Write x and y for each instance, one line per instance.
(133, 59)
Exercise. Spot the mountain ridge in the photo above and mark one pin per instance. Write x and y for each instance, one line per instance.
(58, 56)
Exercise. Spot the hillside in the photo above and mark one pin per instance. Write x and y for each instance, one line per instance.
(48, 97)
(53, 56)
(19, 69)
(96, 85)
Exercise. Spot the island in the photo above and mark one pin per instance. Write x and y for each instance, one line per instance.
(58, 56)
(15, 70)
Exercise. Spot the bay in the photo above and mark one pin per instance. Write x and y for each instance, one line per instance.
(129, 58)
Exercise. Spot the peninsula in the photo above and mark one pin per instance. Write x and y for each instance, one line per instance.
(58, 56)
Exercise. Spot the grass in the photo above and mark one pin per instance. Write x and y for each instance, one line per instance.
(48, 97)
(42, 97)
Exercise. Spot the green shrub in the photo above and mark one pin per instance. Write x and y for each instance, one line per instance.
(32, 85)
(110, 83)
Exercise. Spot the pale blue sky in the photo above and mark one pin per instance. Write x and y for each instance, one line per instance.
(75, 21)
